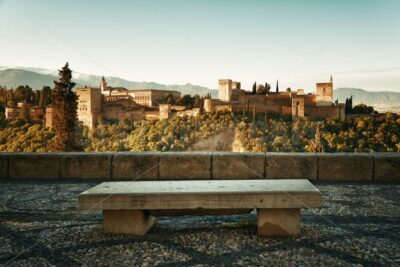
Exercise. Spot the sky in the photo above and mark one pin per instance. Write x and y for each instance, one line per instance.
(298, 42)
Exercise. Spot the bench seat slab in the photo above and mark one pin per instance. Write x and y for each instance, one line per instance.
(278, 222)
(136, 222)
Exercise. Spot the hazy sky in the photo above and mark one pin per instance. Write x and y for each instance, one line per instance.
(200, 41)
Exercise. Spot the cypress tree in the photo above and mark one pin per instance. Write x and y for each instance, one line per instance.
(254, 91)
(65, 107)
(44, 96)
(41, 99)
(25, 113)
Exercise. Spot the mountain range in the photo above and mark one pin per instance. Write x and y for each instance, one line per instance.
(381, 101)
(37, 78)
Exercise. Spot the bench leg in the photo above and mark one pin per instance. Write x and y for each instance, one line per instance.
(278, 222)
(136, 222)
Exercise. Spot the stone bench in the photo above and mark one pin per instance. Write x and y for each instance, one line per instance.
(128, 206)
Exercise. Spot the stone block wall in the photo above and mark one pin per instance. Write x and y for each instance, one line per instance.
(291, 166)
(201, 165)
(346, 166)
(387, 167)
(227, 165)
(185, 166)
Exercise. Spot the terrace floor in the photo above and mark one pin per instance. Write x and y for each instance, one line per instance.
(359, 224)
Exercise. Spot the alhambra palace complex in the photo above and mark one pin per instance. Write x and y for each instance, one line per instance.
(113, 103)
(295, 104)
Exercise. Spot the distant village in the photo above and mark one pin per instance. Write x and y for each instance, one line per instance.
(115, 103)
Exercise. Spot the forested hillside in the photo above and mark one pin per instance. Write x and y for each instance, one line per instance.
(377, 133)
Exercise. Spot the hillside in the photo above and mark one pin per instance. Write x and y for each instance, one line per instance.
(15, 77)
(381, 101)
(37, 78)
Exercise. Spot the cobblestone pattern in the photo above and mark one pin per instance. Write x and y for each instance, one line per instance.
(359, 225)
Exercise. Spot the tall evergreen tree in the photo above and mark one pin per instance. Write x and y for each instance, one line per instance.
(65, 107)
(277, 86)
(254, 91)
(25, 113)
(45, 95)
(42, 99)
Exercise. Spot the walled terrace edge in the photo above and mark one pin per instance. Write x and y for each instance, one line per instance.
(201, 165)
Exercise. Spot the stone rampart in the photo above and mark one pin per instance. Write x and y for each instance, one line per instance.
(201, 165)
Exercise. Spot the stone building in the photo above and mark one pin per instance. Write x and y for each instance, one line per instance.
(12, 112)
(228, 88)
(113, 103)
(291, 103)
(92, 105)
(151, 97)
(89, 105)
(36, 112)
(145, 97)
(324, 93)
(49, 117)
(116, 108)
(165, 111)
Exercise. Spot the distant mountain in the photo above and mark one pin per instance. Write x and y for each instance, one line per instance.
(16, 77)
(37, 78)
(381, 101)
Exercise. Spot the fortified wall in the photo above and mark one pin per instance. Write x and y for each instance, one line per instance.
(295, 103)
(201, 165)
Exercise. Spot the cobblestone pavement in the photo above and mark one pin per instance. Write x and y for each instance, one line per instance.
(359, 225)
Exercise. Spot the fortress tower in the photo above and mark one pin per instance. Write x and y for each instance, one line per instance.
(89, 105)
(298, 106)
(208, 107)
(165, 111)
(225, 90)
(324, 93)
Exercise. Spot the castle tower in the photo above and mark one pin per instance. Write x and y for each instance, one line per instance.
(298, 106)
(103, 86)
(165, 111)
(208, 105)
(225, 90)
(89, 105)
(324, 93)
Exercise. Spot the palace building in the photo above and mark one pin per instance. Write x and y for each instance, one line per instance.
(145, 97)
(113, 103)
(293, 103)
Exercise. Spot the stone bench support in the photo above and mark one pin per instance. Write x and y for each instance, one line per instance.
(278, 222)
(136, 222)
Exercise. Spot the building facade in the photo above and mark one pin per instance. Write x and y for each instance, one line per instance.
(151, 97)
(89, 105)
(114, 103)
(291, 103)
(36, 112)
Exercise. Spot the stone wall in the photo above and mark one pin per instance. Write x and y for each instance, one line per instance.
(332, 112)
(201, 165)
